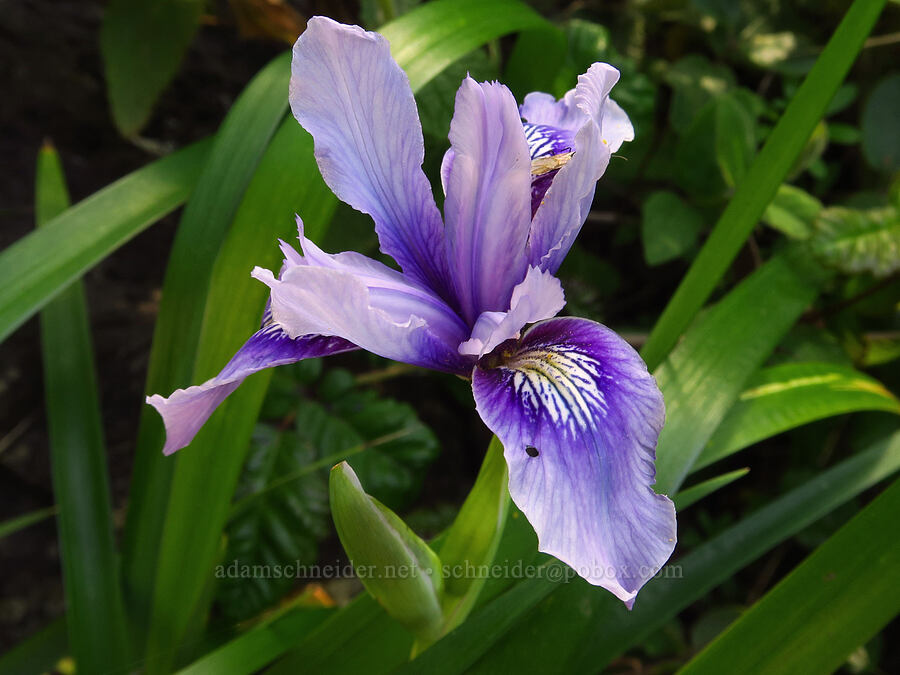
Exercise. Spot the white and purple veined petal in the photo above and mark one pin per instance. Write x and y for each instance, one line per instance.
(348, 92)
(579, 417)
(186, 410)
(599, 126)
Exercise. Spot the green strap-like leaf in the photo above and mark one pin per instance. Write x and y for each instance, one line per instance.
(143, 42)
(13, 525)
(768, 170)
(789, 395)
(39, 653)
(695, 493)
(835, 601)
(78, 457)
(704, 375)
(41, 264)
(237, 149)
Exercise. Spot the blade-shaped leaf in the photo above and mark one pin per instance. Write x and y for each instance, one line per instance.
(855, 241)
(704, 375)
(41, 264)
(836, 600)
(789, 395)
(765, 174)
(78, 457)
(13, 525)
(143, 42)
(239, 144)
(695, 493)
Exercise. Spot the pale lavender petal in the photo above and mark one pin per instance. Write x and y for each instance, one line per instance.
(541, 108)
(186, 410)
(372, 311)
(354, 99)
(579, 417)
(566, 203)
(488, 208)
(539, 296)
(616, 127)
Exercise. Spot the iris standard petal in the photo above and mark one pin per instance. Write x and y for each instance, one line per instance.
(566, 203)
(186, 410)
(539, 296)
(355, 100)
(579, 417)
(389, 319)
(488, 206)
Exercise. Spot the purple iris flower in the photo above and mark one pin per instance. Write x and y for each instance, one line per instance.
(573, 404)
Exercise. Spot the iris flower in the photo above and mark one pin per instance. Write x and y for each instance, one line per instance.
(573, 404)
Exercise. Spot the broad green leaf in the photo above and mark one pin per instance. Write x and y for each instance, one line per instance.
(259, 646)
(855, 241)
(704, 375)
(78, 460)
(433, 35)
(735, 139)
(282, 509)
(239, 144)
(881, 136)
(393, 563)
(833, 602)
(287, 181)
(37, 267)
(473, 538)
(766, 173)
(13, 525)
(143, 42)
(669, 227)
(535, 60)
(695, 82)
(786, 396)
(579, 628)
(695, 493)
(697, 169)
(38, 653)
(277, 527)
(792, 211)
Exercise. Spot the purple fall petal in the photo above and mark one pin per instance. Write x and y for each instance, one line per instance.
(186, 410)
(539, 296)
(567, 201)
(579, 417)
(349, 93)
(488, 179)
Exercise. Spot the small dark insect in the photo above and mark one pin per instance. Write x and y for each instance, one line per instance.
(532, 451)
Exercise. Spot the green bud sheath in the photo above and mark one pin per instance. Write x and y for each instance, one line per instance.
(395, 565)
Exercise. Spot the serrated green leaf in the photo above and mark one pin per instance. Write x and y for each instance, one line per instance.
(143, 42)
(669, 227)
(281, 509)
(855, 241)
(793, 212)
(834, 601)
(789, 395)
